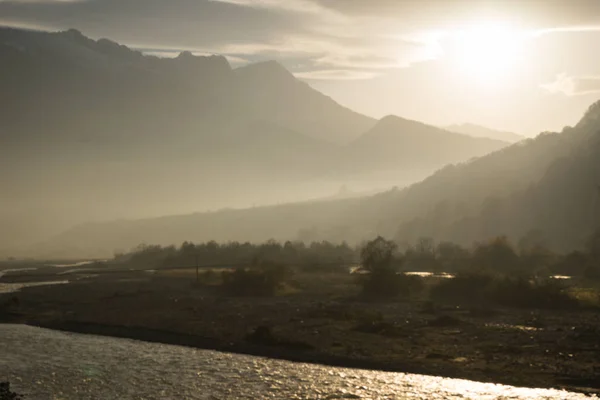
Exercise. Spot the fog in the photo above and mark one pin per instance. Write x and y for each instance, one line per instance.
(93, 131)
(409, 186)
(105, 147)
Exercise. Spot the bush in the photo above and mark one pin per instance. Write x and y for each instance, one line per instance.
(465, 288)
(6, 393)
(208, 277)
(263, 280)
(383, 284)
(318, 268)
(523, 293)
(382, 279)
(485, 289)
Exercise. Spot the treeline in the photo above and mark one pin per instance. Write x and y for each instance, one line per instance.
(494, 272)
(313, 255)
(529, 257)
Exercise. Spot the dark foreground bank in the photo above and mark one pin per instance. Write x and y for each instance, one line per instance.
(325, 325)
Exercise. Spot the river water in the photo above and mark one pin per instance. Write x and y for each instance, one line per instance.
(46, 364)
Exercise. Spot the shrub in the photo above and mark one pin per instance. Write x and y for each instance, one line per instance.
(497, 256)
(262, 280)
(318, 268)
(6, 393)
(383, 284)
(465, 288)
(523, 293)
(485, 289)
(208, 277)
(382, 279)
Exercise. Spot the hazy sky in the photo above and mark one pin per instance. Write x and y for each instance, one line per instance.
(519, 65)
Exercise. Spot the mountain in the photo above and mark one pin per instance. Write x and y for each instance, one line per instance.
(549, 185)
(91, 130)
(74, 77)
(269, 91)
(482, 131)
(396, 140)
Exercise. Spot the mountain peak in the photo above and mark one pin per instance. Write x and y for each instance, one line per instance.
(591, 116)
(75, 36)
(186, 55)
(391, 118)
(480, 131)
(188, 62)
(266, 70)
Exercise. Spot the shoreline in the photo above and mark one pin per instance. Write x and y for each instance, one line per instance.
(324, 322)
(205, 343)
(277, 353)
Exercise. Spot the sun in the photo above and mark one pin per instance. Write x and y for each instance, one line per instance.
(489, 52)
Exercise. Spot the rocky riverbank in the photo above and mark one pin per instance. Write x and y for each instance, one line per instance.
(322, 321)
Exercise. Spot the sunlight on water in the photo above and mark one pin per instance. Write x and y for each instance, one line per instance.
(7, 271)
(77, 264)
(15, 287)
(44, 364)
(516, 327)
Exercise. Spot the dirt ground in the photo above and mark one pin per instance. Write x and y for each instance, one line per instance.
(320, 318)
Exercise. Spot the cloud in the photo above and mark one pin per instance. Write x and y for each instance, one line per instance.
(574, 85)
(303, 6)
(308, 37)
(313, 38)
(336, 75)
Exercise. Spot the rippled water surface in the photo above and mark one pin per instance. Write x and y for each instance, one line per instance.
(45, 364)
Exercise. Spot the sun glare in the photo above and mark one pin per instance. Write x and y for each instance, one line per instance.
(489, 52)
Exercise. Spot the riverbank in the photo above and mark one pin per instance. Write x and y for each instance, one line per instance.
(320, 320)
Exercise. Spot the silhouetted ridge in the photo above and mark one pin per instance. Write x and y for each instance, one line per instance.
(266, 70)
(205, 68)
(143, 135)
(401, 125)
(74, 35)
(591, 116)
(484, 132)
(115, 49)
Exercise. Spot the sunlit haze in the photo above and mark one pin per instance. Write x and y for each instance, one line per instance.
(130, 117)
(269, 196)
(404, 57)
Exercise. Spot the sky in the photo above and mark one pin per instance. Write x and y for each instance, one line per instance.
(525, 66)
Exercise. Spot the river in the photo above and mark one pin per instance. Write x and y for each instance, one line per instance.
(46, 364)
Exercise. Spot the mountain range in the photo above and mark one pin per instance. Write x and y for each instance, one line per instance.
(547, 187)
(481, 131)
(92, 130)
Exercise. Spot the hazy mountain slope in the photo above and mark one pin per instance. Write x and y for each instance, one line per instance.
(397, 141)
(268, 91)
(91, 130)
(76, 77)
(549, 183)
(118, 133)
(482, 131)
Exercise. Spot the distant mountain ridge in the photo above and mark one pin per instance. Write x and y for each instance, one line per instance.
(417, 143)
(481, 131)
(548, 185)
(92, 130)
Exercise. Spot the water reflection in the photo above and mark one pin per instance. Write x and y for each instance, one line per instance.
(77, 264)
(15, 287)
(45, 364)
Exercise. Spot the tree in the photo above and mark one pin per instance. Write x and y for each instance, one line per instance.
(378, 255)
(451, 257)
(383, 281)
(497, 255)
(593, 249)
